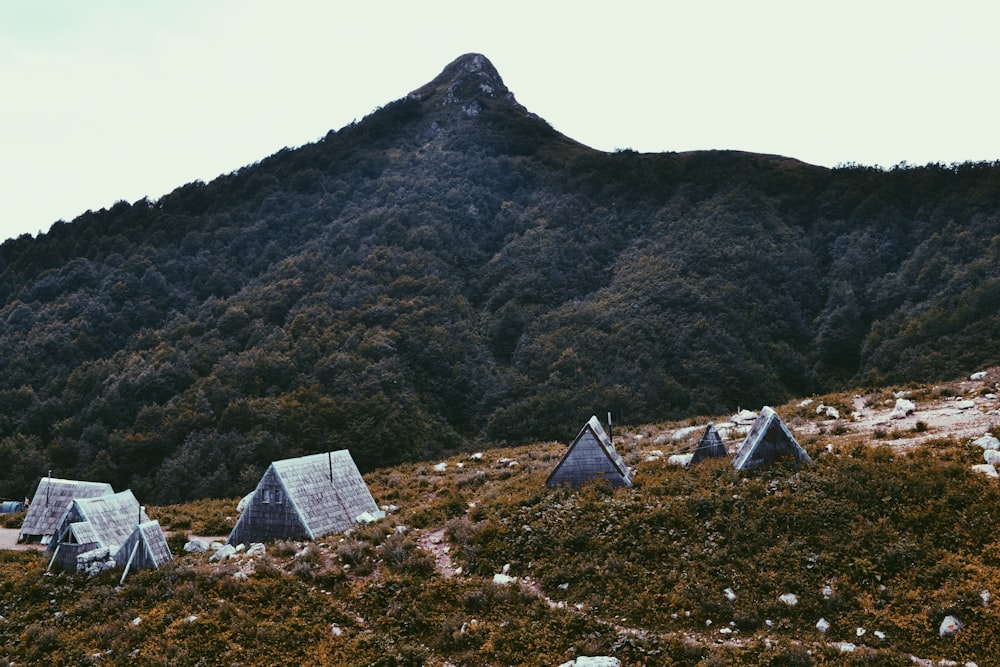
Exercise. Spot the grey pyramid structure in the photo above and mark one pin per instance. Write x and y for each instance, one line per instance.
(768, 442)
(591, 456)
(710, 446)
(305, 498)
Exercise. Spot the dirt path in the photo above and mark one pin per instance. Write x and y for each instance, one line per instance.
(8, 541)
(435, 544)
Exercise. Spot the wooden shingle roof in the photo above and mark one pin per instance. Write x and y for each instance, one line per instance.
(591, 456)
(51, 499)
(112, 518)
(769, 441)
(326, 490)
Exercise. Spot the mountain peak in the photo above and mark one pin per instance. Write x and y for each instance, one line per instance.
(465, 81)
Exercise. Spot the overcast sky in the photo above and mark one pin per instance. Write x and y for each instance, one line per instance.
(105, 100)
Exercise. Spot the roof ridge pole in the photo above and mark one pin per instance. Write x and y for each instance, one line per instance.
(48, 487)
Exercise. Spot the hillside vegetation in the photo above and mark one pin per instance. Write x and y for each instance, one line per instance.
(451, 272)
(882, 538)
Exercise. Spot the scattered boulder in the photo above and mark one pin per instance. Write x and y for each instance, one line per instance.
(991, 456)
(224, 553)
(440, 467)
(987, 442)
(244, 501)
(903, 407)
(503, 579)
(965, 405)
(987, 469)
(949, 626)
(828, 410)
(336, 630)
(256, 549)
(730, 595)
(682, 433)
(196, 546)
(683, 460)
(806, 403)
(791, 599)
(593, 661)
(823, 625)
(979, 375)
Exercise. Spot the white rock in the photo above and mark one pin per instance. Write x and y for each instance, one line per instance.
(656, 453)
(822, 625)
(805, 403)
(503, 579)
(506, 568)
(682, 433)
(791, 599)
(730, 595)
(256, 549)
(965, 405)
(441, 467)
(979, 375)
(984, 595)
(563, 586)
(244, 501)
(903, 408)
(879, 634)
(336, 630)
(240, 575)
(725, 631)
(196, 546)
(401, 530)
(240, 548)
(987, 442)
(136, 621)
(828, 591)
(478, 456)
(846, 647)
(987, 469)
(860, 632)
(828, 410)
(683, 460)
(593, 661)
(224, 552)
(949, 626)
(991, 456)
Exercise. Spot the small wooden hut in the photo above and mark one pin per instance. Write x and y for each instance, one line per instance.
(50, 501)
(107, 523)
(768, 442)
(305, 498)
(146, 547)
(591, 456)
(710, 446)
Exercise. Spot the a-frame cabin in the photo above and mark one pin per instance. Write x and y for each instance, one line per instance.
(710, 446)
(591, 456)
(768, 442)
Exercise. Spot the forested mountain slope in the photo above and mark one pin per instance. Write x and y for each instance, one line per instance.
(451, 269)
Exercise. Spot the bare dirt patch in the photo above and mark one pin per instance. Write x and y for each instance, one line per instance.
(8, 541)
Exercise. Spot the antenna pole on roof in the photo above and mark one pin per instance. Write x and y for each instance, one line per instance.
(610, 439)
(47, 487)
(329, 460)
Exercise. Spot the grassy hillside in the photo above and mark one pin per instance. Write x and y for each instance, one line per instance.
(883, 536)
(452, 273)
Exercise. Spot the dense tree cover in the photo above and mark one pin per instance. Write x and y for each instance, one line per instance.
(450, 270)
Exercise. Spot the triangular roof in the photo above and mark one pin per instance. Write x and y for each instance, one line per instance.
(51, 499)
(591, 456)
(308, 497)
(710, 445)
(108, 520)
(152, 548)
(768, 441)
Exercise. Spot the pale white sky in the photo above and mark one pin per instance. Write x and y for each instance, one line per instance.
(105, 100)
